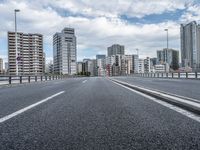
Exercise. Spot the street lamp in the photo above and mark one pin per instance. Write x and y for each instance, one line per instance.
(167, 45)
(137, 51)
(17, 57)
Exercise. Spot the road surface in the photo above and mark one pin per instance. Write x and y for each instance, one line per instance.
(89, 113)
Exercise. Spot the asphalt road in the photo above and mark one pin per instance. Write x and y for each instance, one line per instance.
(188, 88)
(92, 113)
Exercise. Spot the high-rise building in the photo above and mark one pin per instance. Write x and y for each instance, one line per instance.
(101, 65)
(116, 49)
(1, 66)
(64, 52)
(169, 56)
(190, 45)
(29, 59)
(100, 56)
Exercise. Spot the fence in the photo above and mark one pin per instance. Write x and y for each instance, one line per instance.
(194, 75)
(28, 79)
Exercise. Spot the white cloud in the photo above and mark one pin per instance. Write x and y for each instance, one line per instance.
(101, 28)
(114, 8)
(192, 13)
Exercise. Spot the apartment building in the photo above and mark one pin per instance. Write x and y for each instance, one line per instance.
(29, 57)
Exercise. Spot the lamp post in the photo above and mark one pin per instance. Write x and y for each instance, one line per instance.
(16, 50)
(137, 51)
(167, 45)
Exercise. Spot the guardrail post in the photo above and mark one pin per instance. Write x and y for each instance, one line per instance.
(41, 78)
(162, 74)
(46, 78)
(20, 79)
(35, 78)
(10, 79)
(179, 75)
(172, 75)
(158, 75)
(167, 75)
(29, 79)
(49, 77)
(186, 75)
(196, 75)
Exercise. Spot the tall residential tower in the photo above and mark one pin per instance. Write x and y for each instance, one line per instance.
(64, 52)
(30, 56)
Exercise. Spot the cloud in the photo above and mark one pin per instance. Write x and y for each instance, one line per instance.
(97, 23)
(192, 13)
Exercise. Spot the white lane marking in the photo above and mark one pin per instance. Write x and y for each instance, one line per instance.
(3, 119)
(84, 81)
(170, 106)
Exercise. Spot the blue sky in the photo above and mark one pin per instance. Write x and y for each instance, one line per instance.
(99, 24)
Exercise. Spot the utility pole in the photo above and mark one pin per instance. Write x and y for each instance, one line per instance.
(167, 45)
(16, 50)
(137, 51)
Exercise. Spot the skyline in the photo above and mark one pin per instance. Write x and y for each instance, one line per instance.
(99, 25)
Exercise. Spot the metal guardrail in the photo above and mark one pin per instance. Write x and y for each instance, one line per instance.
(28, 79)
(186, 75)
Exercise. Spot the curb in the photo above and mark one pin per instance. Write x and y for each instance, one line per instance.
(173, 101)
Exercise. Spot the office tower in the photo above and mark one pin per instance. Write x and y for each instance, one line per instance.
(1, 66)
(101, 65)
(100, 56)
(115, 49)
(29, 59)
(64, 52)
(190, 45)
(169, 56)
(91, 67)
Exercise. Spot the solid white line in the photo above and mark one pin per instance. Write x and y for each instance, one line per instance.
(170, 106)
(179, 99)
(84, 81)
(3, 119)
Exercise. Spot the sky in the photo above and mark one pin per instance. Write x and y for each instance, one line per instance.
(136, 24)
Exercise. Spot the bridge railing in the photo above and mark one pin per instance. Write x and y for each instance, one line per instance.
(27, 79)
(186, 75)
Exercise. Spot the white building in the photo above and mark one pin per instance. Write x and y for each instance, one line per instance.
(161, 68)
(141, 66)
(29, 59)
(64, 52)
